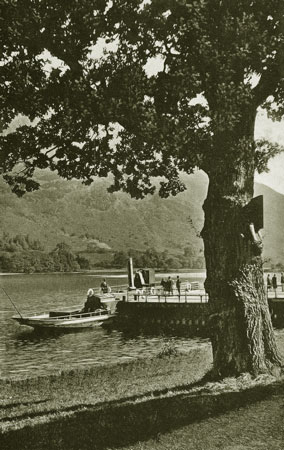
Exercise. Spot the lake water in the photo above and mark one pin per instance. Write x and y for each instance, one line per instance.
(26, 353)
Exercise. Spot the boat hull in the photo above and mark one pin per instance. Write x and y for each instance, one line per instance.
(44, 321)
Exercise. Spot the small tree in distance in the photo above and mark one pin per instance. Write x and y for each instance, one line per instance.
(220, 61)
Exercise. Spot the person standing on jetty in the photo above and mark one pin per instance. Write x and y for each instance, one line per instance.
(163, 284)
(178, 285)
(171, 286)
(268, 282)
(274, 284)
(168, 285)
(282, 281)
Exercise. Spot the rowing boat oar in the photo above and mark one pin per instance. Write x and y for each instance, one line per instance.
(12, 302)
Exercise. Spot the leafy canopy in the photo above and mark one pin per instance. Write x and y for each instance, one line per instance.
(218, 61)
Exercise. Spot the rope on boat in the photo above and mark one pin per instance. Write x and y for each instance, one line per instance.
(12, 302)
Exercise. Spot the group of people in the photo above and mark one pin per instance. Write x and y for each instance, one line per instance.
(169, 284)
(272, 283)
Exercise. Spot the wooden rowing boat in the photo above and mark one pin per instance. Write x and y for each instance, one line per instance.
(73, 317)
(66, 320)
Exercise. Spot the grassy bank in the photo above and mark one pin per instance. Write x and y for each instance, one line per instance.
(122, 404)
(25, 402)
(253, 426)
(132, 420)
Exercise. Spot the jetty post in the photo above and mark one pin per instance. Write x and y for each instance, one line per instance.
(130, 274)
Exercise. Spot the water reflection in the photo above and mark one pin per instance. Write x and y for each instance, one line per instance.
(28, 336)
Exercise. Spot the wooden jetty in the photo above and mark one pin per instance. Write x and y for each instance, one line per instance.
(155, 310)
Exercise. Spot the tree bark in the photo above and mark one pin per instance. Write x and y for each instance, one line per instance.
(240, 324)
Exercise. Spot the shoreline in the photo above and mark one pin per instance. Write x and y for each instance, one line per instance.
(113, 270)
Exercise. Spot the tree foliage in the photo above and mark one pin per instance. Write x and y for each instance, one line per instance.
(158, 260)
(95, 115)
(19, 242)
(20, 253)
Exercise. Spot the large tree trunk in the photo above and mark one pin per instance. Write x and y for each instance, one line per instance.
(241, 331)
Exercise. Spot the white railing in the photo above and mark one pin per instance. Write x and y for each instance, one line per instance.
(154, 295)
(113, 289)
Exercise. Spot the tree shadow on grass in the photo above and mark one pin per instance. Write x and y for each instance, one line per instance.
(124, 422)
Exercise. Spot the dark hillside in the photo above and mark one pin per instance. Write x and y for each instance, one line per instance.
(89, 218)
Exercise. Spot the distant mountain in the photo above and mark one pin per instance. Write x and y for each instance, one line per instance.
(89, 218)
(273, 232)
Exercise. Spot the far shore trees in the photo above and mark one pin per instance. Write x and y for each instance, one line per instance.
(177, 88)
(20, 254)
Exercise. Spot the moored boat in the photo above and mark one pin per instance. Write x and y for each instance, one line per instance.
(66, 320)
(74, 317)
